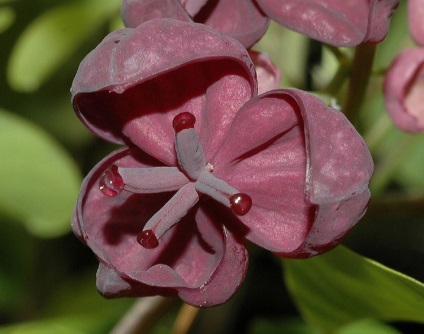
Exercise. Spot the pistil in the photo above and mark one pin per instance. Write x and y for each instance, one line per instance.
(191, 180)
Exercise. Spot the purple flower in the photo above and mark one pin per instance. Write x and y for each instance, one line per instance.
(208, 164)
(404, 88)
(340, 23)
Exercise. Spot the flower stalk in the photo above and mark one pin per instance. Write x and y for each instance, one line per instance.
(360, 73)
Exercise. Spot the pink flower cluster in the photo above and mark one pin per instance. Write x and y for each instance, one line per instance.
(340, 23)
(208, 163)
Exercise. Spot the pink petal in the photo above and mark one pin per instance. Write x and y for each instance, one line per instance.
(110, 226)
(333, 220)
(338, 171)
(229, 274)
(403, 90)
(268, 74)
(241, 19)
(301, 166)
(415, 20)
(132, 85)
(136, 12)
(193, 6)
(340, 23)
(223, 281)
(265, 157)
(93, 209)
(381, 12)
(111, 285)
(185, 261)
(339, 168)
(339, 161)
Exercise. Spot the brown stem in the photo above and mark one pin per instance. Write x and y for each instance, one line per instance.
(185, 319)
(359, 77)
(143, 315)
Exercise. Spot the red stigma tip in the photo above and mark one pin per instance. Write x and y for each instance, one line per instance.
(110, 182)
(147, 239)
(240, 203)
(182, 121)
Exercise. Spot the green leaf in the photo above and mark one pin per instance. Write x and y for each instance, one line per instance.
(7, 17)
(52, 38)
(65, 325)
(290, 61)
(39, 182)
(396, 40)
(82, 299)
(367, 326)
(298, 326)
(411, 170)
(340, 286)
(116, 23)
(285, 325)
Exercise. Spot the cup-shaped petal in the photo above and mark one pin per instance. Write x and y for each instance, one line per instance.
(404, 90)
(193, 6)
(193, 259)
(339, 23)
(129, 89)
(136, 12)
(305, 168)
(269, 75)
(415, 20)
(241, 19)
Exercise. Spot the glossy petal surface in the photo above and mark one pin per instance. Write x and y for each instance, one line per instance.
(268, 74)
(240, 19)
(125, 89)
(340, 23)
(186, 259)
(303, 165)
(308, 171)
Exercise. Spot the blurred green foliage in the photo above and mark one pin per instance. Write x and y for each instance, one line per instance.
(47, 278)
(34, 189)
(60, 31)
(347, 287)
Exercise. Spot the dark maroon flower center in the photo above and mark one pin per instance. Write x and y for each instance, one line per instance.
(193, 178)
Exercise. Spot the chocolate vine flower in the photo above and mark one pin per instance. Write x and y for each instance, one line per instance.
(208, 165)
(335, 22)
(404, 88)
(340, 23)
(240, 19)
(135, 12)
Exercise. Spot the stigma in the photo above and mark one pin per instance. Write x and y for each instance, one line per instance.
(191, 179)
